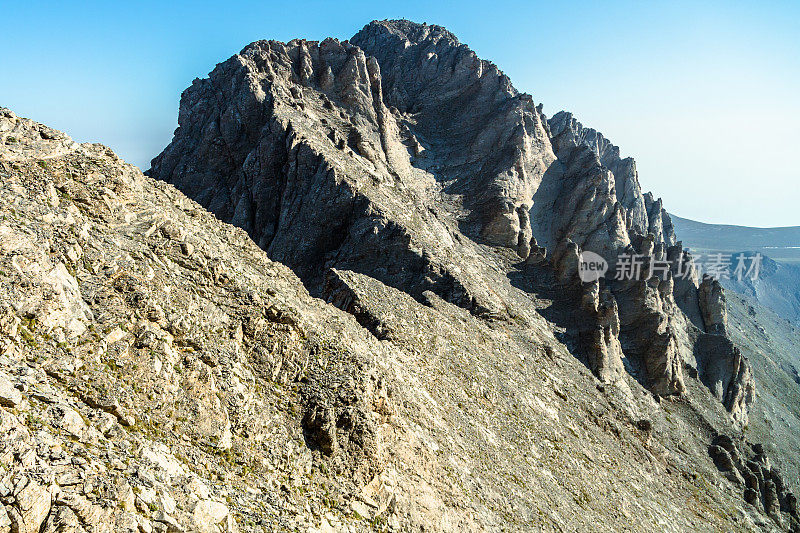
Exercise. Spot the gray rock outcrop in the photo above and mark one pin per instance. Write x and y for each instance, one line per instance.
(712, 306)
(602, 340)
(598, 204)
(724, 370)
(399, 153)
(749, 469)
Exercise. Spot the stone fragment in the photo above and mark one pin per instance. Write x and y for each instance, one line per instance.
(208, 515)
(713, 306)
(9, 395)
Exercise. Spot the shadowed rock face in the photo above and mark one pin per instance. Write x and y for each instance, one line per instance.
(602, 333)
(596, 200)
(401, 155)
(750, 469)
(487, 141)
(593, 198)
(724, 370)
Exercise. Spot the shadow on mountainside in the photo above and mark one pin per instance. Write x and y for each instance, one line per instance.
(557, 303)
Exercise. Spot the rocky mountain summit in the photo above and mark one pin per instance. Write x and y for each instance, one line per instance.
(346, 298)
(402, 156)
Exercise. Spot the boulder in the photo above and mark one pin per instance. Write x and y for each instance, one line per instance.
(9, 395)
(210, 516)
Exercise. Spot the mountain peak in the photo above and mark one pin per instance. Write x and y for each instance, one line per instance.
(413, 32)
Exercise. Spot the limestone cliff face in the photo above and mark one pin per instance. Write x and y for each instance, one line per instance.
(294, 143)
(641, 213)
(592, 197)
(400, 153)
(487, 141)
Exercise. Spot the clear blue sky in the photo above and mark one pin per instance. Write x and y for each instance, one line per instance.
(705, 97)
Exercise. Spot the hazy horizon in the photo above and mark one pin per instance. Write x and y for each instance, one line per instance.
(703, 97)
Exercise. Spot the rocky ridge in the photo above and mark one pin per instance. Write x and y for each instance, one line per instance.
(401, 155)
(148, 346)
(141, 340)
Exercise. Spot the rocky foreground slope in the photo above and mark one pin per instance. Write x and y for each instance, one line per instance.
(163, 371)
(158, 372)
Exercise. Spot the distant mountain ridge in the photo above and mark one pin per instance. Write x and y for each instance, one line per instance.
(781, 244)
(778, 283)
